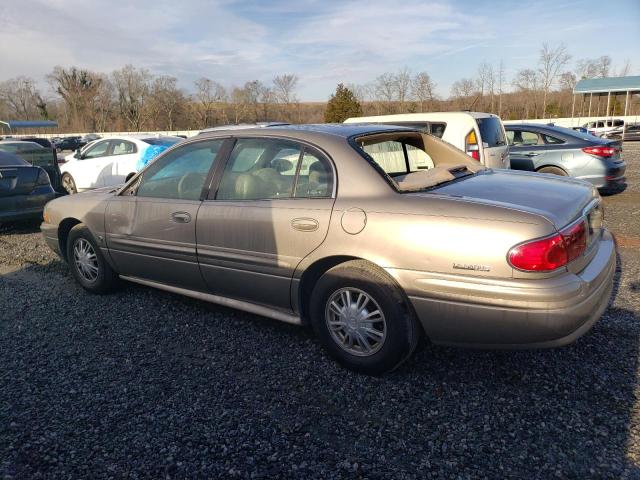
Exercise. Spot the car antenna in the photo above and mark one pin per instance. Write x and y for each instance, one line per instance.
(473, 103)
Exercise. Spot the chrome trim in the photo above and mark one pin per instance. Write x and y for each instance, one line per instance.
(227, 302)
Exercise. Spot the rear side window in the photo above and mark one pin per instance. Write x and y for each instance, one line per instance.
(552, 140)
(491, 131)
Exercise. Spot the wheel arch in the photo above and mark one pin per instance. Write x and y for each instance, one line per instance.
(553, 165)
(64, 227)
(313, 272)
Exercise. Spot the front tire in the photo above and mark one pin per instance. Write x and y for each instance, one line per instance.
(87, 264)
(362, 318)
(69, 184)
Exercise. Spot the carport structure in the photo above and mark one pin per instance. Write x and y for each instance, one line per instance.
(13, 125)
(599, 87)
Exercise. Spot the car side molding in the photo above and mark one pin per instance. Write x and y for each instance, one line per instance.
(227, 302)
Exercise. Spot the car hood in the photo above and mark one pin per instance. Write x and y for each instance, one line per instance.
(559, 199)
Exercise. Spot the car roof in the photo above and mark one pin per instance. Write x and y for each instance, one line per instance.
(5, 142)
(416, 117)
(333, 129)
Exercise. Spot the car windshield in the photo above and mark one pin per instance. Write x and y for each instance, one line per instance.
(162, 141)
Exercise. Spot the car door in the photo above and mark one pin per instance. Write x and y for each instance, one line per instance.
(124, 155)
(526, 147)
(151, 225)
(92, 167)
(272, 208)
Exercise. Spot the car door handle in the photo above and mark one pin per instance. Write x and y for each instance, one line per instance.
(180, 217)
(305, 224)
(531, 154)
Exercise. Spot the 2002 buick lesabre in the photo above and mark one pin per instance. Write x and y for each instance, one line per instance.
(375, 235)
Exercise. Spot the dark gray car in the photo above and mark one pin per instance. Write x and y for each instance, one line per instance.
(24, 189)
(562, 151)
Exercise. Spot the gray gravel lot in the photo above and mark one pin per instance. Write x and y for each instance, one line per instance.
(145, 384)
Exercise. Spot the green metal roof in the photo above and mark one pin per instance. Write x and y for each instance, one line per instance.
(605, 85)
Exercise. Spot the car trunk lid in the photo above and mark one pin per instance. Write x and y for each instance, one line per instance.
(17, 180)
(560, 200)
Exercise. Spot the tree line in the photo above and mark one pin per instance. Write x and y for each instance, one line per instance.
(134, 99)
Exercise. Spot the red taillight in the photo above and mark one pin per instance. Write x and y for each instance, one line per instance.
(539, 255)
(475, 154)
(550, 253)
(471, 146)
(575, 240)
(600, 151)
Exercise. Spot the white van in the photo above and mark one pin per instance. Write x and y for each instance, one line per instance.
(480, 135)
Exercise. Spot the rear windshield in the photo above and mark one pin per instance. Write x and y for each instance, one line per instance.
(434, 128)
(163, 141)
(7, 159)
(491, 131)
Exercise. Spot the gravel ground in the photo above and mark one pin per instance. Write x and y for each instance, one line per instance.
(145, 384)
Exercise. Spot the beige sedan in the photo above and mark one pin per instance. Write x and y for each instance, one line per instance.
(374, 235)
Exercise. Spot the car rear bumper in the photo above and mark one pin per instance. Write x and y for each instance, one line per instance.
(24, 207)
(488, 313)
(611, 176)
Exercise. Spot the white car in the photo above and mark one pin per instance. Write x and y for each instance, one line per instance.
(481, 135)
(603, 127)
(108, 161)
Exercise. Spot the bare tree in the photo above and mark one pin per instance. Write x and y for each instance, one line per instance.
(103, 104)
(423, 89)
(402, 85)
(133, 88)
(625, 69)
(463, 88)
(166, 101)
(500, 83)
(552, 60)
(22, 99)
(78, 89)
(209, 94)
(284, 87)
(567, 81)
(385, 90)
(239, 104)
(527, 81)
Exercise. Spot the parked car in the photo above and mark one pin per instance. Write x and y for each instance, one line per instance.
(36, 155)
(480, 135)
(601, 127)
(15, 146)
(67, 143)
(43, 142)
(107, 162)
(24, 189)
(562, 151)
(629, 133)
(302, 224)
(88, 138)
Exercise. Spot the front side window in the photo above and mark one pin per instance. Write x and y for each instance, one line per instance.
(97, 150)
(181, 174)
(122, 147)
(260, 168)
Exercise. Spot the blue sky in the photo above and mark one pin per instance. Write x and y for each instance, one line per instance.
(324, 42)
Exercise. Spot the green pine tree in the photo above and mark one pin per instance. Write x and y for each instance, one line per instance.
(342, 105)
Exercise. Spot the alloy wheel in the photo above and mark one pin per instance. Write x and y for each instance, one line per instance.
(356, 322)
(86, 260)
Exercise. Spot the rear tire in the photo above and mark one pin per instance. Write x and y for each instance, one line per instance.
(343, 314)
(553, 171)
(87, 264)
(69, 184)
